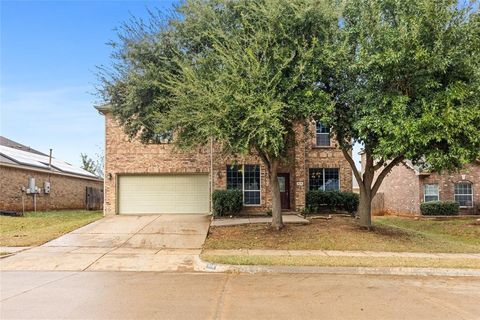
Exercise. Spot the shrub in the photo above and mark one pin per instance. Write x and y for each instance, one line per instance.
(227, 202)
(439, 208)
(331, 200)
(350, 202)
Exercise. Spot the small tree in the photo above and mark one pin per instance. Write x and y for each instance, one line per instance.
(405, 82)
(237, 72)
(91, 165)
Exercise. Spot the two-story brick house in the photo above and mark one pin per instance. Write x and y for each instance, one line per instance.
(157, 178)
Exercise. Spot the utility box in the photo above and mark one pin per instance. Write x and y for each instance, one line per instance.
(46, 187)
(32, 188)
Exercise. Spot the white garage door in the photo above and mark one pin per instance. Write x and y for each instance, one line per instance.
(158, 194)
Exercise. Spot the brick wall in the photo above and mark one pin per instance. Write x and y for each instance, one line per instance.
(446, 185)
(66, 192)
(401, 191)
(128, 157)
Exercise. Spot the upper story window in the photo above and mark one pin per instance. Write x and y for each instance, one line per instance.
(323, 179)
(322, 135)
(245, 178)
(430, 192)
(464, 194)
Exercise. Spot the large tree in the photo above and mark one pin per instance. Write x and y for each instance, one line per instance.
(241, 73)
(405, 82)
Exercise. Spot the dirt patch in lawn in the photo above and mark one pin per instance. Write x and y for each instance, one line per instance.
(342, 233)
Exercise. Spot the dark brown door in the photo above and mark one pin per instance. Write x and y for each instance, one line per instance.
(284, 183)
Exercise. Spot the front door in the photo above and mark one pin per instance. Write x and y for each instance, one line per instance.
(284, 184)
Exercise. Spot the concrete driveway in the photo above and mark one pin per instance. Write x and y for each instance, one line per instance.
(121, 243)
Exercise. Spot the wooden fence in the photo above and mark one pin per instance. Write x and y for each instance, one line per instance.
(378, 204)
(94, 198)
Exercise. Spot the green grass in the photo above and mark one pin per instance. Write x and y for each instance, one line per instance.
(322, 261)
(342, 233)
(36, 228)
(463, 231)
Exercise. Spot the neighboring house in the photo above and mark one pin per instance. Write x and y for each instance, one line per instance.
(30, 180)
(156, 178)
(407, 186)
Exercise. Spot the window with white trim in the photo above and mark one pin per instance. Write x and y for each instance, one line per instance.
(464, 194)
(245, 178)
(323, 179)
(430, 192)
(323, 135)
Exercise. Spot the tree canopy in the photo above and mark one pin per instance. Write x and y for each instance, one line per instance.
(405, 83)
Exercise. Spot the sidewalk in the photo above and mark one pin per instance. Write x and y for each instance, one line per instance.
(223, 222)
(335, 253)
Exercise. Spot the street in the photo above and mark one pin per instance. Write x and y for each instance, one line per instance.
(153, 295)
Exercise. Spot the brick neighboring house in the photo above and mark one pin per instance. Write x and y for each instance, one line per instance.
(156, 178)
(407, 186)
(53, 187)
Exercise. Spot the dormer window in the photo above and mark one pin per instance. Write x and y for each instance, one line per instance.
(323, 135)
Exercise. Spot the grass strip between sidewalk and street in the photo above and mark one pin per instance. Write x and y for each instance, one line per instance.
(322, 261)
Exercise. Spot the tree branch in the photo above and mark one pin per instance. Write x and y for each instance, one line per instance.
(265, 159)
(354, 167)
(379, 164)
(384, 173)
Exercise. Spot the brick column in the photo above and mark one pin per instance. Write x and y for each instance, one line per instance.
(300, 174)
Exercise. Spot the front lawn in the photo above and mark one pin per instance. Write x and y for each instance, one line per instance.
(342, 233)
(36, 228)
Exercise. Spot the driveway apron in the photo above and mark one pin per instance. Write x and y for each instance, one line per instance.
(121, 243)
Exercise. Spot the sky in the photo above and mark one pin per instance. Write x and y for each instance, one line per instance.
(49, 51)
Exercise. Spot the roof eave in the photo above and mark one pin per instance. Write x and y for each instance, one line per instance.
(104, 108)
(49, 171)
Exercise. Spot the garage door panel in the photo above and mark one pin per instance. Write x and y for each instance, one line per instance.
(157, 194)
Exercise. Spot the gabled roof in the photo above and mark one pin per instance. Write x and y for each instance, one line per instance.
(418, 169)
(35, 160)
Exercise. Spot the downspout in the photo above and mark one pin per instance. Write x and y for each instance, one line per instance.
(211, 175)
(47, 200)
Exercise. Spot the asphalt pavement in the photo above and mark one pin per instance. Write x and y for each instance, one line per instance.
(157, 295)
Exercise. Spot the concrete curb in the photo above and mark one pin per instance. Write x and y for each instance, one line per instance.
(203, 266)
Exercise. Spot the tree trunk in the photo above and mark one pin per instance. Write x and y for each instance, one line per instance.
(365, 210)
(367, 182)
(277, 220)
